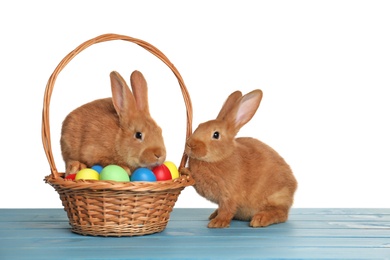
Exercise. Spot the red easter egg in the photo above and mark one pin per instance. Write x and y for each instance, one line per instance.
(162, 173)
(70, 176)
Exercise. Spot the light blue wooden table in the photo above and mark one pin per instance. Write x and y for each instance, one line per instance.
(310, 233)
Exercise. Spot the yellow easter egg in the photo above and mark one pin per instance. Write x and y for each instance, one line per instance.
(173, 169)
(87, 174)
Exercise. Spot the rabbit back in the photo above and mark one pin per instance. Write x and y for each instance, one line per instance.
(89, 132)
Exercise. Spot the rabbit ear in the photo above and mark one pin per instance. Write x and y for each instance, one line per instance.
(245, 108)
(229, 104)
(140, 91)
(122, 98)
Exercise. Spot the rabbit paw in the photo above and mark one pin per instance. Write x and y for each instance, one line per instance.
(219, 223)
(184, 171)
(213, 215)
(267, 218)
(74, 167)
(127, 169)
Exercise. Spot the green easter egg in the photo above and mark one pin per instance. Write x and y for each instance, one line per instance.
(114, 173)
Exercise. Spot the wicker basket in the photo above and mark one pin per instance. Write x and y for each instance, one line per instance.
(107, 208)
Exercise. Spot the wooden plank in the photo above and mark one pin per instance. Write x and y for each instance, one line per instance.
(175, 225)
(203, 214)
(32, 215)
(189, 252)
(178, 241)
(244, 234)
(181, 215)
(190, 224)
(310, 233)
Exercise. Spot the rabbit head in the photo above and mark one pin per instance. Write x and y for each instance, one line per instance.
(214, 140)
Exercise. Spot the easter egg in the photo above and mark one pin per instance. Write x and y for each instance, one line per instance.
(114, 173)
(173, 169)
(143, 174)
(87, 174)
(70, 176)
(162, 173)
(97, 167)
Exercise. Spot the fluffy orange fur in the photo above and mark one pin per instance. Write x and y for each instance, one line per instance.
(248, 179)
(105, 131)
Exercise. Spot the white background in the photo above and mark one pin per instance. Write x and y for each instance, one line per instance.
(324, 68)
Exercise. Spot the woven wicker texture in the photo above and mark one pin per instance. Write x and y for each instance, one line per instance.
(108, 208)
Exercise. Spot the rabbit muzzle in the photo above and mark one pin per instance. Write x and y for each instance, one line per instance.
(195, 149)
(153, 157)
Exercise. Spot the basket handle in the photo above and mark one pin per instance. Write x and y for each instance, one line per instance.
(104, 38)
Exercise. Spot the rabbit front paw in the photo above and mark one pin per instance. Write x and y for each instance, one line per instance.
(219, 223)
(74, 167)
(213, 215)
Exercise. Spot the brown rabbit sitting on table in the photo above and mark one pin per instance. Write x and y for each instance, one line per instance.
(246, 178)
(117, 130)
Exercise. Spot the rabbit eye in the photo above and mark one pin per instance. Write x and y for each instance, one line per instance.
(216, 135)
(138, 135)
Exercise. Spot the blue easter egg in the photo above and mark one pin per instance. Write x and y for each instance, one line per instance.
(143, 174)
(97, 167)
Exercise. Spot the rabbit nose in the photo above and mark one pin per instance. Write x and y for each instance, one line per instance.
(192, 145)
(189, 143)
(159, 154)
(188, 147)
